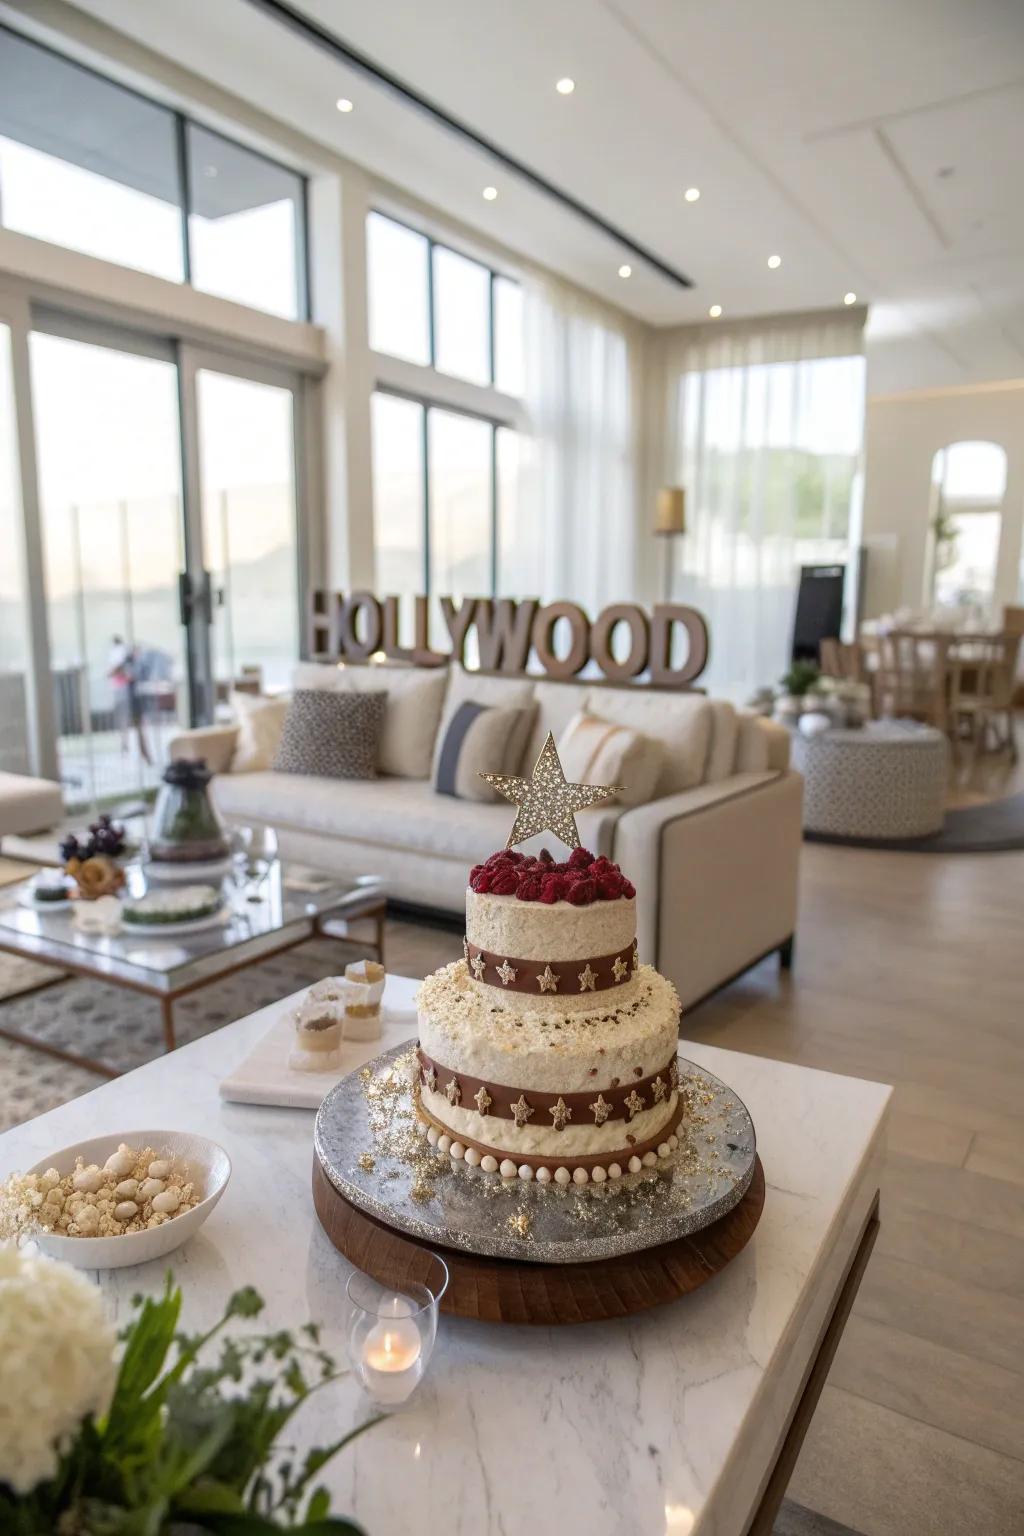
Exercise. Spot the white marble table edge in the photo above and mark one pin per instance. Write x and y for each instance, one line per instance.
(731, 1496)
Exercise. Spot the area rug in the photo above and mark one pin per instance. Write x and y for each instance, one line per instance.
(996, 827)
(124, 1029)
(18, 975)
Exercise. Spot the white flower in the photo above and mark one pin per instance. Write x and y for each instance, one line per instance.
(57, 1362)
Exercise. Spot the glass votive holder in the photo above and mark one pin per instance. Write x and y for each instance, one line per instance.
(391, 1333)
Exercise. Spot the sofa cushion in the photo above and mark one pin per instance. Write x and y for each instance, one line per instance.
(414, 699)
(722, 749)
(331, 735)
(681, 721)
(393, 813)
(260, 723)
(751, 743)
(595, 751)
(556, 704)
(494, 692)
(478, 739)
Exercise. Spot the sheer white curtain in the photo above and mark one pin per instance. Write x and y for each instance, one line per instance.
(573, 532)
(764, 424)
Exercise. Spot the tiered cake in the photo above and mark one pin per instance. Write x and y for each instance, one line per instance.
(549, 1052)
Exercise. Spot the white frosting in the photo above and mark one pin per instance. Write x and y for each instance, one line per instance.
(609, 1046)
(531, 930)
(537, 1139)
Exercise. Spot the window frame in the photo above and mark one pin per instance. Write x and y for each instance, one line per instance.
(181, 120)
(493, 273)
(496, 423)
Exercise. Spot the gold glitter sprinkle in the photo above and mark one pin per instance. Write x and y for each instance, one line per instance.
(520, 1223)
(546, 801)
(367, 1162)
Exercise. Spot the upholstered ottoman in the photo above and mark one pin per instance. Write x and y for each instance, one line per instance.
(885, 781)
(28, 805)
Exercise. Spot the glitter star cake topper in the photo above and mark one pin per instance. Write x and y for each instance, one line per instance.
(547, 802)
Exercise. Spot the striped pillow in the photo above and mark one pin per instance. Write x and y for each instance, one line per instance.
(478, 739)
(595, 751)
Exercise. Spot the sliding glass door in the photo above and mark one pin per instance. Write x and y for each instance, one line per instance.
(167, 493)
(109, 467)
(250, 529)
(15, 748)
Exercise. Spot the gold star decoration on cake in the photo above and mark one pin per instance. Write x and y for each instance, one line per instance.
(634, 1103)
(506, 972)
(478, 967)
(465, 947)
(521, 1111)
(560, 1113)
(659, 1088)
(636, 956)
(430, 1078)
(673, 1075)
(482, 1099)
(546, 800)
(547, 980)
(620, 970)
(587, 978)
(600, 1109)
(452, 1092)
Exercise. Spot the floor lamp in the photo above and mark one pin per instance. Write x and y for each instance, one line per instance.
(670, 523)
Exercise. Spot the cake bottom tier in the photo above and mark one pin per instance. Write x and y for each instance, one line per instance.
(647, 1147)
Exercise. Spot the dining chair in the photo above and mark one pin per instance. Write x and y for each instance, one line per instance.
(910, 679)
(843, 659)
(982, 674)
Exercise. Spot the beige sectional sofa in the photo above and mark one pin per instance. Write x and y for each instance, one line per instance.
(714, 855)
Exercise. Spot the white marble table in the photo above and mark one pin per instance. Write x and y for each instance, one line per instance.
(663, 1425)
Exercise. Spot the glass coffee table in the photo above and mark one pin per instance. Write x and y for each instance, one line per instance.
(290, 905)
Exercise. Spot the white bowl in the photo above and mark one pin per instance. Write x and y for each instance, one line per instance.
(207, 1161)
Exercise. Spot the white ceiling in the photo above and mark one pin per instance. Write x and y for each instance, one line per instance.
(877, 146)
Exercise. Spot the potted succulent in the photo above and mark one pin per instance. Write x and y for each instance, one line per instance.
(794, 686)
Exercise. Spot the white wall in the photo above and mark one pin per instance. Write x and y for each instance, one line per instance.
(903, 434)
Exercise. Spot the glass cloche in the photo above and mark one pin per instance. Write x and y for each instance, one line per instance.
(186, 827)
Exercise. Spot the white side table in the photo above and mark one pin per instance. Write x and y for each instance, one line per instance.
(887, 781)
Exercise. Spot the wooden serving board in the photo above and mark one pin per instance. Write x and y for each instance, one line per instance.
(503, 1291)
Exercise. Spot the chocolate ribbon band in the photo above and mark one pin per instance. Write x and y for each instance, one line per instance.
(619, 1101)
(551, 978)
(535, 1160)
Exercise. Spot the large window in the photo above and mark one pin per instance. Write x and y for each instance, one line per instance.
(89, 165)
(442, 480)
(968, 485)
(433, 306)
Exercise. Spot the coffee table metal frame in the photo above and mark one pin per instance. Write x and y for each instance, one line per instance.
(345, 900)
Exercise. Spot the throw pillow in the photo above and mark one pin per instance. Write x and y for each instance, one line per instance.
(595, 751)
(260, 722)
(680, 721)
(494, 692)
(479, 739)
(415, 696)
(332, 735)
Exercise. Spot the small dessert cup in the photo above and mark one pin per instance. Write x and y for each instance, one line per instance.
(318, 1025)
(364, 988)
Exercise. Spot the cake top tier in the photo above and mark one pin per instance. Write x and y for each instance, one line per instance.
(581, 880)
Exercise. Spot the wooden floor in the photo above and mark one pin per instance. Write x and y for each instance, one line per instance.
(909, 970)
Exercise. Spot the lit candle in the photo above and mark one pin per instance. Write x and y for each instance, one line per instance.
(392, 1363)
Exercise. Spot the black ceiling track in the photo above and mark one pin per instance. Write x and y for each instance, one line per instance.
(327, 42)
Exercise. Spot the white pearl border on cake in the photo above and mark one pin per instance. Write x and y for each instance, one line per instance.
(544, 1175)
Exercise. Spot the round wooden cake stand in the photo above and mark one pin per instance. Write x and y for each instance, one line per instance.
(504, 1291)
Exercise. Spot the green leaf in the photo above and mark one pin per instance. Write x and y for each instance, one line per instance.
(319, 1504)
(149, 1340)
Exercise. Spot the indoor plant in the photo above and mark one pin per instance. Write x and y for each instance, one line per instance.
(159, 1443)
(793, 685)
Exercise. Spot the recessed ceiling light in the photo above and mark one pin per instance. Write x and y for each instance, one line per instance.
(849, 298)
(774, 261)
(715, 311)
(691, 194)
(565, 86)
(343, 104)
(490, 193)
(625, 270)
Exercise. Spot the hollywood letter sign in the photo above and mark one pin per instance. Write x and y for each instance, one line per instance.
(353, 626)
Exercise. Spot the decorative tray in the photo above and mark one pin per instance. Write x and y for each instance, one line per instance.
(371, 1147)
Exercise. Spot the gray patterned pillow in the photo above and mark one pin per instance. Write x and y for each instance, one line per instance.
(332, 735)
